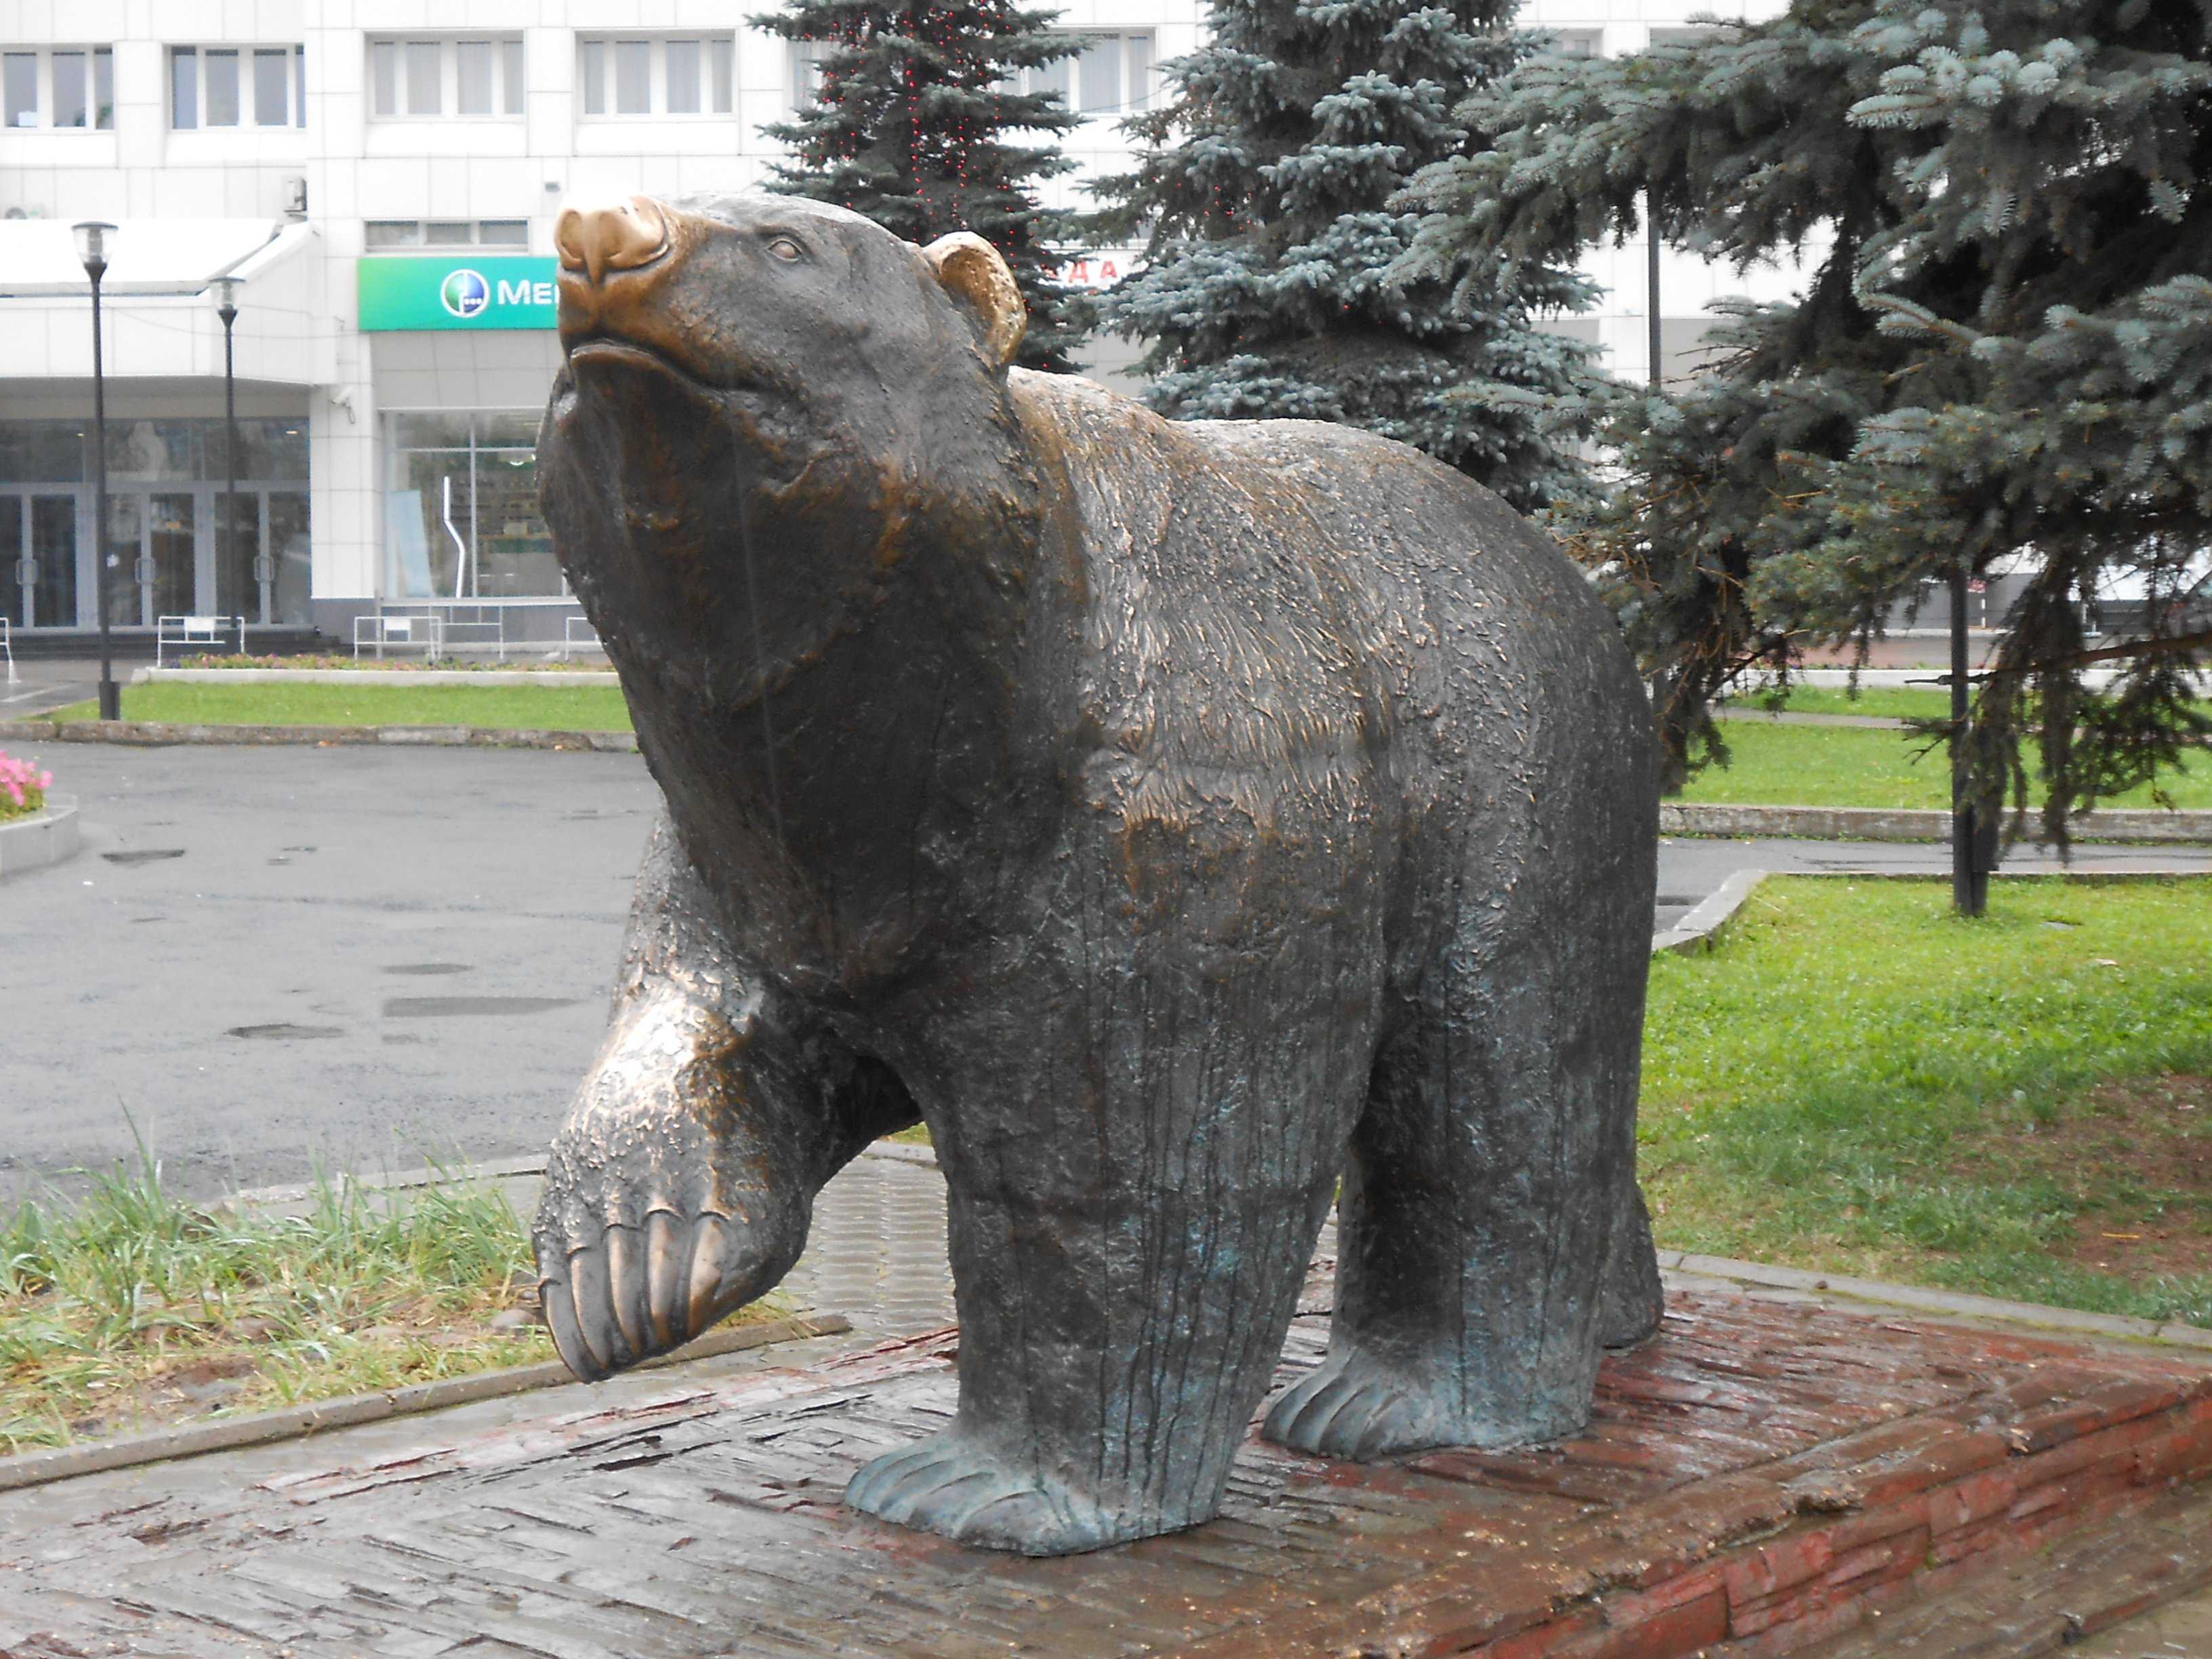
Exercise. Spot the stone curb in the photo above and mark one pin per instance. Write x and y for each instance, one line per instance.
(2134, 825)
(1684, 1264)
(1956, 1304)
(1688, 1265)
(159, 733)
(33, 843)
(494, 1169)
(66, 1462)
(1696, 930)
(377, 677)
(2128, 825)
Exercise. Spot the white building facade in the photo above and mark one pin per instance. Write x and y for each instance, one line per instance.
(382, 177)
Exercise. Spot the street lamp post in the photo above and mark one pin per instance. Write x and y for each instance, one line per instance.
(92, 236)
(1973, 834)
(226, 293)
(1652, 282)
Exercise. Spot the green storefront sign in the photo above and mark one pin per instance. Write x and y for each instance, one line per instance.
(505, 291)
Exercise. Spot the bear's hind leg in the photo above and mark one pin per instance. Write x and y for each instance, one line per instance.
(1111, 1355)
(1484, 1208)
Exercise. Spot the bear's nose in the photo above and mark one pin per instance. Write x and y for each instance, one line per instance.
(618, 237)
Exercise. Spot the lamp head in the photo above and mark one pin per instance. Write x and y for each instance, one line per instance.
(92, 236)
(225, 289)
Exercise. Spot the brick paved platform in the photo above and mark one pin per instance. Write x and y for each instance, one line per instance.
(1761, 1478)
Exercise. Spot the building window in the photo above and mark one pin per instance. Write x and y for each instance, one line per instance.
(461, 508)
(433, 236)
(807, 57)
(1576, 43)
(652, 74)
(475, 77)
(59, 86)
(237, 86)
(1111, 76)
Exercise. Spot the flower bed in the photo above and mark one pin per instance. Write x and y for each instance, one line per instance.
(23, 788)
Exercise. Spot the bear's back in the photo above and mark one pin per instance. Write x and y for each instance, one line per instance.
(1292, 588)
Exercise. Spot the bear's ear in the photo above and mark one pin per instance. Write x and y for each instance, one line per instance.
(973, 272)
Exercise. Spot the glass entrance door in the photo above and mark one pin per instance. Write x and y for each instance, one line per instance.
(38, 560)
(126, 549)
(153, 545)
(237, 583)
(169, 577)
(262, 569)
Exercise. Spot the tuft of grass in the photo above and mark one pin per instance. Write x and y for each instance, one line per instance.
(1772, 765)
(133, 1308)
(520, 706)
(1855, 1080)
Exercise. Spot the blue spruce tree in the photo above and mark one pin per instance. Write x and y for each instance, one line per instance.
(919, 122)
(1266, 197)
(2001, 357)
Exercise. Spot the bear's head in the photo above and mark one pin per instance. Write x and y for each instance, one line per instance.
(772, 413)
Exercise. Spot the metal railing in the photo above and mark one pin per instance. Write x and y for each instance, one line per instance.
(185, 632)
(577, 634)
(423, 631)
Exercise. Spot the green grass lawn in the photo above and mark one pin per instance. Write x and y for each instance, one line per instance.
(544, 707)
(2020, 1106)
(1858, 766)
(1888, 701)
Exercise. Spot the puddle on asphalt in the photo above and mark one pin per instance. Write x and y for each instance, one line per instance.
(147, 855)
(427, 969)
(471, 1007)
(285, 1032)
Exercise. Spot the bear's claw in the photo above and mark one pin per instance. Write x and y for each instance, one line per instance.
(634, 1292)
(949, 1485)
(1350, 1406)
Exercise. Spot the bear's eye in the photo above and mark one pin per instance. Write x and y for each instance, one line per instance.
(784, 248)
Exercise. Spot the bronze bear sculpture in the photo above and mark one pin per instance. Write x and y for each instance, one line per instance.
(1174, 817)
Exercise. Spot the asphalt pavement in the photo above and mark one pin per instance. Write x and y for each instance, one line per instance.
(42, 683)
(268, 960)
(272, 959)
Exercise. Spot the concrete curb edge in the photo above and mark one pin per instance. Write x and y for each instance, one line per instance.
(378, 677)
(2131, 826)
(67, 1463)
(1688, 1265)
(1956, 1304)
(159, 733)
(35, 842)
(1698, 930)
(1715, 911)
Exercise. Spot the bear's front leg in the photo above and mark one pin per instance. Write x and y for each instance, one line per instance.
(1147, 1132)
(682, 1184)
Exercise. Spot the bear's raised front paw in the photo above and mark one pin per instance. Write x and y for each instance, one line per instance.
(1350, 1406)
(616, 1294)
(949, 1485)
